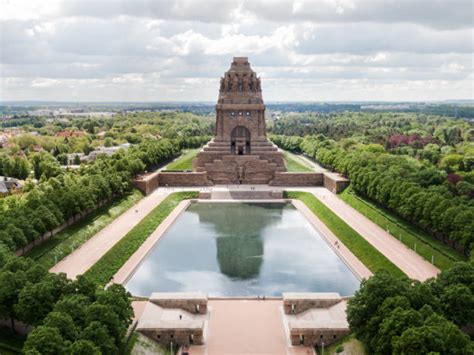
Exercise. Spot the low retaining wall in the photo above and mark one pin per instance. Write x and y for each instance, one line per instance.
(183, 179)
(335, 182)
(294, 303)
(147, 183)
(297, 179)
(193, 302)
(150, 182)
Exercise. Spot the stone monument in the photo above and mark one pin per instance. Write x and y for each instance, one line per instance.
(240, 152)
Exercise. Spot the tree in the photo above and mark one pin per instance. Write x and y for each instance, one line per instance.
(77, 160)
(75, 305)
(64, 323)
(107, 317)
(84, 347)
(45, 340)
(394, 325)
(367, 300)
(35, 301)
(117, 297)
(11, 284)
(98, 334)
(458, 304)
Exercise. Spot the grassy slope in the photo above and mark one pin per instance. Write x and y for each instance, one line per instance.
(361, 248)
(184, 162)
(295, 164)
(113, 260)
(426, 246)
(63, 243)
(350, 344)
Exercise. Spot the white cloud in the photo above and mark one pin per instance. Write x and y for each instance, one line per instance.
(177, 50)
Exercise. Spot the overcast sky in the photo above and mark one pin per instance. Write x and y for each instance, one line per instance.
(176, 50)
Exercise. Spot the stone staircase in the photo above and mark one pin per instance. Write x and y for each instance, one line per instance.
(240, 169)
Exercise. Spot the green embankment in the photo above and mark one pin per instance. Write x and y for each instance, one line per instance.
(429, 248)
(361, 248)
(184, 162)
(66, 241)
(295, 164)
(347, 345)
(113, 260)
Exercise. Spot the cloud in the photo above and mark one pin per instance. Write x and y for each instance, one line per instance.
(177, 50)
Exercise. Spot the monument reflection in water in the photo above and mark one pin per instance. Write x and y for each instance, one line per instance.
(242, 249)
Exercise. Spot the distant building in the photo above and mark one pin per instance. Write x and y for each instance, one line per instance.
(9, 185)
(72, 157)
(67, 133)
(107, 150)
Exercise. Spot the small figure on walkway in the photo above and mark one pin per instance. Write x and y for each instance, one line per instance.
(180, 316)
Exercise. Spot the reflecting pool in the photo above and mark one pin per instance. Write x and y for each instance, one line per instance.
(242, 249)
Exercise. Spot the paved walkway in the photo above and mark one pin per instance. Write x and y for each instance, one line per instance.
(358, 268)
(82, 259)
(247, 327)
(406, 259)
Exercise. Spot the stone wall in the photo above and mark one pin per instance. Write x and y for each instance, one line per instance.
(150, 182)
(183, 179)
(294, 303)
(335, 182)
(192, 302)
(182, 336)
(147, 183)
(312, 337)
(297, 179)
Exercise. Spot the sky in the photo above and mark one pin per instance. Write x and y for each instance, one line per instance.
(176, 50)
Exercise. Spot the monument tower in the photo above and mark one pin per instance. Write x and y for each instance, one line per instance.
(240, 151)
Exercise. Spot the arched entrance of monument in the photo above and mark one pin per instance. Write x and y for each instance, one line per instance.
(240, 141)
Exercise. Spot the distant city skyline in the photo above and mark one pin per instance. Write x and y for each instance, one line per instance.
(176, 51)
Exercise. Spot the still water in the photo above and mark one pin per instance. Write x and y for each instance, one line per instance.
(242, 249)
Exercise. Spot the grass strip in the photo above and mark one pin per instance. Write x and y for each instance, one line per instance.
(113, 260)
(361, 248)
(184, 162)
(348, 345)
(294, 164)
(426, 246)
(65, 242)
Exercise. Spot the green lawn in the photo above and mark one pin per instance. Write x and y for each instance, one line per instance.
(361, 248)
(113, 260)
(426, 246)
(184, 162)
(66, 241)
(295, 164)
(350, 344)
